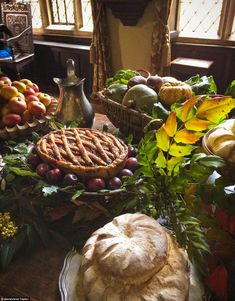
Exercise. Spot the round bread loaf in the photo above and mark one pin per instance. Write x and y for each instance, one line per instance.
(133, 258)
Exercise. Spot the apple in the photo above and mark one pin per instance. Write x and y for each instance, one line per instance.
(31, 97)
(5, 110)
(29, 91)
(21, 95)
(34, 86)
(95, 184)
(45, 98)
(6, 80)
(17, 105)
(2, 84)
(27, 116)
(114, 183)
(34, 160)
(8, 92)
(131, 163)
(54, 175)
(42, 169)
(20, 86)
(26, 81)
(36, 108)
(70, 179)
(11, 119)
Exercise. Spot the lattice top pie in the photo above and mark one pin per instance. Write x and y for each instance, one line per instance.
(85, 152)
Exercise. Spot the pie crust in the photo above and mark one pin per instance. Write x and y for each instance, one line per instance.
(85, 152)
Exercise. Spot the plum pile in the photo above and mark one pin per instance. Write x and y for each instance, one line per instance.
(56, 176)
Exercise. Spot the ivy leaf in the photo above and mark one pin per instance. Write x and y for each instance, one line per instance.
(215, 109)
(161, 160)
(178, 150)
(163, 141)
(170, 125)
(48, 190)
(10, 247)
(196, 124)
(187, 137)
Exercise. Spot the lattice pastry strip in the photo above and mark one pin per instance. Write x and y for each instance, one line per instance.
(86, 152)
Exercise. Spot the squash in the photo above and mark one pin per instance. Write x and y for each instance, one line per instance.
(170, 93)
(116, 92)
(141, 98)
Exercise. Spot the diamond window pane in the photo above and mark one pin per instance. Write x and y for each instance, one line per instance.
(232, 36)
(200, 18)
(87, 15)
(63, 12)
(36, 13)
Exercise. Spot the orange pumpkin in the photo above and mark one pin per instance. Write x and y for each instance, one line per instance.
(173, 92)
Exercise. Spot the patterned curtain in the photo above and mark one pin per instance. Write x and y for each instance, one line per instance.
(161, 50)
(100, 50)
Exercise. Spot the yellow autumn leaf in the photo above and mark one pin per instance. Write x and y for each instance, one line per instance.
(161, 160)
(173, 165)
(163, 140)
(215, 109)
(178, 150)
(187, 137)
(187, 106)
(170, 125)
(196, 124)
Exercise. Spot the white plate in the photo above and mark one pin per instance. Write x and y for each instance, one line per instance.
(69, 273)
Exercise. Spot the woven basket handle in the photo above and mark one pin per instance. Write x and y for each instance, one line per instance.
(144, 72)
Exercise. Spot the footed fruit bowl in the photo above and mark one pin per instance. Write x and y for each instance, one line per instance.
(23, 107)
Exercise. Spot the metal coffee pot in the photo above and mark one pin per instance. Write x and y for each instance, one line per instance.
(73, 104)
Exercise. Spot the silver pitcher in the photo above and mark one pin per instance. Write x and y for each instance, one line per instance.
(73, 104)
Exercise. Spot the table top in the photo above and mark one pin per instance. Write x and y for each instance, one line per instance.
(36, 274)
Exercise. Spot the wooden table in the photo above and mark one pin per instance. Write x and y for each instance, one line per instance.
(35, 275)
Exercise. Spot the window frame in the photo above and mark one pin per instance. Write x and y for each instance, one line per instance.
(225, 25)
(63, 30)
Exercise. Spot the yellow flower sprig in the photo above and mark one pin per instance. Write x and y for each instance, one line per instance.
(7, 227)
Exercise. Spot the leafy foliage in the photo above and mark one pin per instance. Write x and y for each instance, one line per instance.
(175, 170)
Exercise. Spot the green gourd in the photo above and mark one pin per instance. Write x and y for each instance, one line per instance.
(141, 98)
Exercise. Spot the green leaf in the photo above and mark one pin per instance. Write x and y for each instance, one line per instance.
(173, 165)
(10, 247)
(178, 150)
(23, 172)
(161, 160)
(76, 195)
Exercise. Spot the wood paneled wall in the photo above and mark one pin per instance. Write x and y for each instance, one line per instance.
(223, 68)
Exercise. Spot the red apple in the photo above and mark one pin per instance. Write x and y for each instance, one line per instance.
(31, 97)
(29, 91)
(26, 81)
(11, 119)
(8, 92)
(20, 86)
(17, 105)
(5, 110)
(36, 108)
(21, 95)
(6, 80)
(34, 86)
(44, 98)
(27, 116)
(2, 84)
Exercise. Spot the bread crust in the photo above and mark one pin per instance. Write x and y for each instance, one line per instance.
(133, 259)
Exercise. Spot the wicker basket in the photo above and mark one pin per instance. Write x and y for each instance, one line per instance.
(127, 120)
